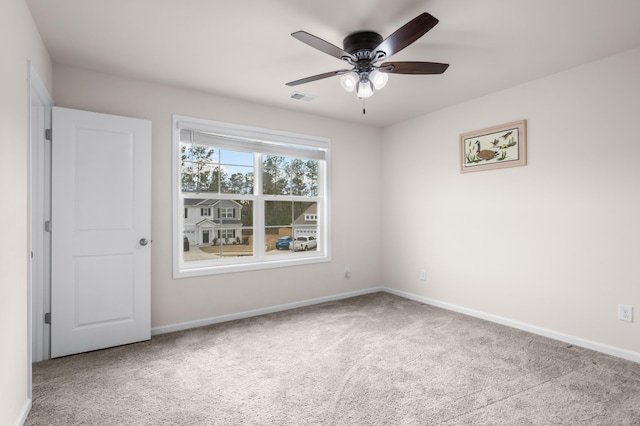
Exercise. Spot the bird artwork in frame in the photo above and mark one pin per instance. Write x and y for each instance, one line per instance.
(494, 147)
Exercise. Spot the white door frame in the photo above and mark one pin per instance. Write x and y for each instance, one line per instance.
(40, 103)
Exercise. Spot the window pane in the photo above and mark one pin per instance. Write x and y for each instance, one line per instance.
(207, 169)
(304, 177)
(237, 180)
(227, 230)
(289, 176)
(236, 172)
(287, 220)
(198, 164)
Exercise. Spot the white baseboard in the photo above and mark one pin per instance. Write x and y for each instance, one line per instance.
(24, 413)
(262, 311)
(598, 347)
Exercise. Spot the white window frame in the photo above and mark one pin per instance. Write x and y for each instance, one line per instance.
(270, 142)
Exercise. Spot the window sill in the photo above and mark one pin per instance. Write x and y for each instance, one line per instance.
(206, 267)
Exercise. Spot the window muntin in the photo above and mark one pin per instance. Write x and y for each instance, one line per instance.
(247, 182)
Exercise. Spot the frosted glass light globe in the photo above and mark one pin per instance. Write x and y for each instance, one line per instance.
(379, 79)
(349, 81)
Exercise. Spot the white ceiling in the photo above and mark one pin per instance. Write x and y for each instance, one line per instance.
(243, 48)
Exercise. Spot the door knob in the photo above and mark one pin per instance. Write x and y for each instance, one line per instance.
(144, 241)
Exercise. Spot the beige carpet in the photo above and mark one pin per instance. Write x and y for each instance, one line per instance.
(370, 360)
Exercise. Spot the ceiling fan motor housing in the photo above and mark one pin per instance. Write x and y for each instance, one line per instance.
(361, 43)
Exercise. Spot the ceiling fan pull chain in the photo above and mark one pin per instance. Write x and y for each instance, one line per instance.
(363, 107)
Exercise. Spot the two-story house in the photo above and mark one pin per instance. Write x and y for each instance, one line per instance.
(207, 221)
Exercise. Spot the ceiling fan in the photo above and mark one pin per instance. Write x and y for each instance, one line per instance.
(364, 49)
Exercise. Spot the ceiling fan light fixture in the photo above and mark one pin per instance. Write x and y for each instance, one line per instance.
(349, 81)
(379, 79)
(363, 50)
(364, 88)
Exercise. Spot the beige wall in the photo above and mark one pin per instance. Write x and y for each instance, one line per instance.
(553, 244)
(19, 43)
(356, 217)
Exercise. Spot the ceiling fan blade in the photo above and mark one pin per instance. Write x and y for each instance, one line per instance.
(316, 77)
(405, 35)
(413, 67)
(323, 46)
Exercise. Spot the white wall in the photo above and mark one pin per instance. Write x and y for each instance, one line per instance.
(356, 215)
(19, 42)
(554, 244)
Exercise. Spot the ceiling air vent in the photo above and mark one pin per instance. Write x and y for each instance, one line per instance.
(301, 97)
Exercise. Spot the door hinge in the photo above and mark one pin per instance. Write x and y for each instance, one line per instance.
(47, 318)
(47, 134)
(47, 226)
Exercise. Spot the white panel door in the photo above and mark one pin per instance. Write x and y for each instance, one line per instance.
(101, 209)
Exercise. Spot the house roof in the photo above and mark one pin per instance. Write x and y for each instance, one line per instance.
(205, 202)
(218, 223)
(191, 202)
(203, 221)
(300, 220)
(491, 45)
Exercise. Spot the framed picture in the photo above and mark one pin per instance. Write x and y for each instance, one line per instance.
(494, 148)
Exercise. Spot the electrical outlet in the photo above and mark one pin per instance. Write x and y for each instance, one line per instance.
(423, 275)
(625, 313)
(347, 272)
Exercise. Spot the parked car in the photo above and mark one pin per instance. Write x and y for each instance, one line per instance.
(283, 242)
(304, 243)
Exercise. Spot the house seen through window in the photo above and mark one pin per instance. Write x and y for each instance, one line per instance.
(249, 203)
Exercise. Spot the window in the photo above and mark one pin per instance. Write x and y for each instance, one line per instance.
(227, 212)
(227, 233)
(265, 189)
